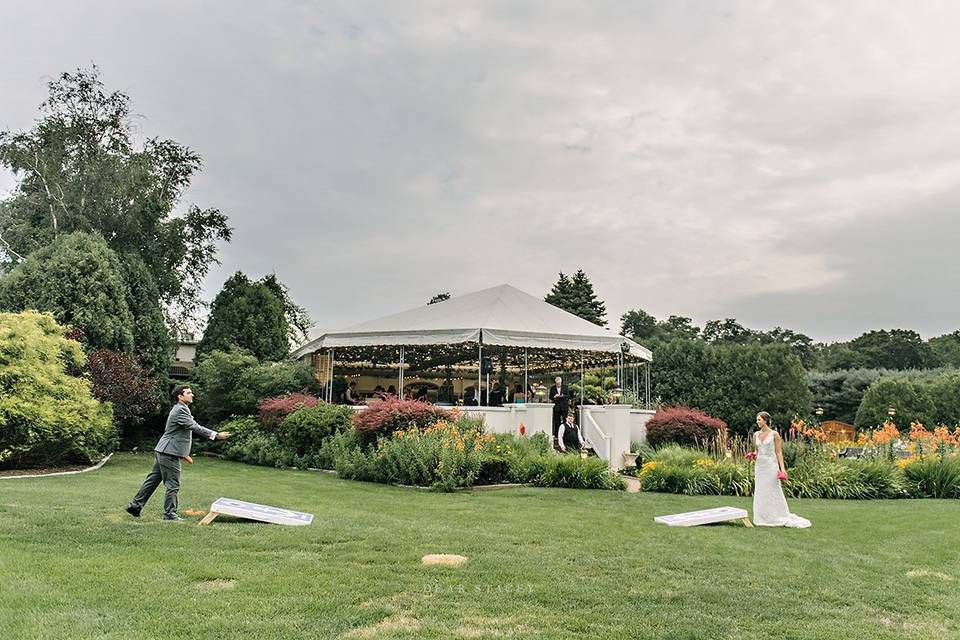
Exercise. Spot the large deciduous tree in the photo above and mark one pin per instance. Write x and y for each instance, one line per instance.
(894, 349)
(731, 381)
(638, 324)
(79, 169)
(946, 349)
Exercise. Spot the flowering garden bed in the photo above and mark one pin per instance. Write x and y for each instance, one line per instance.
(405, 443)
(889, 464)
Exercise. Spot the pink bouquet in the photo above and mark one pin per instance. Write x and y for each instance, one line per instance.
(750, 455)
(781, 475)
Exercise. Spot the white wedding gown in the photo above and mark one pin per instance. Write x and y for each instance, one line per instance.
(769, 505)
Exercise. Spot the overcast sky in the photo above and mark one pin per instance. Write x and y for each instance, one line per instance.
(789, 164)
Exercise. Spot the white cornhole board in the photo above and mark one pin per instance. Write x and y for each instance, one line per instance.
(707, 516)
(254, 511)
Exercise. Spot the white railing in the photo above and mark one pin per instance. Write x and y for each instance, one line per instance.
(593, 434)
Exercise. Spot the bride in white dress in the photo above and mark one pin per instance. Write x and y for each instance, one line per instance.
(769, 505)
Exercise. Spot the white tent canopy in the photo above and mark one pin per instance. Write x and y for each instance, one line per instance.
(503, 316)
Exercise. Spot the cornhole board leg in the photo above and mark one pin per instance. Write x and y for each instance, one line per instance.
(747, 523)
(207, 519)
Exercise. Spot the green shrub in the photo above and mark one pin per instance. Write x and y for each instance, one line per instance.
(645, 452)
(944, 391)
(730, 381)
(233, 383)
(240, 428)
(794, 451)
(248, 443)
(333, 448)
(672, 478)
(47, 416)
(910, 397)
(839, 393)
(262, 449)
(79, 280)
(574, 472)
(354, 463)
(934, 478)
(511, 459)
(304, 431)
(729, 478)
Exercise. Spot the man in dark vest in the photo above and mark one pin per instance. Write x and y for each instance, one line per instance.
(560, 396)
(173, 447)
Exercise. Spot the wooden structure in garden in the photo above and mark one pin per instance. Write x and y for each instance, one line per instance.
(837, 431)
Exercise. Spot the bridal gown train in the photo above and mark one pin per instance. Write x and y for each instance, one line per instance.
(769, 505)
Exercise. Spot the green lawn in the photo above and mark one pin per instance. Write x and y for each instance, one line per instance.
(544, 563)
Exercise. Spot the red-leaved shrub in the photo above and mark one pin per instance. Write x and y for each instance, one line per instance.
(682, 425)
(383, 417)
(118, 378)
(272, 411)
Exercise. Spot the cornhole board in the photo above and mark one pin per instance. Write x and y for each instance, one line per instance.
(707, 516)
(254, 511)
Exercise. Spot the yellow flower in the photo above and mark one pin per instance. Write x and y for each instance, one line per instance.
(648, 467)
(703, 462)
(903, 463)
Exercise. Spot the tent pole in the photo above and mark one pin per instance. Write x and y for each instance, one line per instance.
(330, 386)
(400, 375)
(646, 371)
(479, 370)
(581, 391)
(526, 377)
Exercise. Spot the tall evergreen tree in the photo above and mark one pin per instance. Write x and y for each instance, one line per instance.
(248, 315)
(151, 337)
(577, 296)
(298, 320)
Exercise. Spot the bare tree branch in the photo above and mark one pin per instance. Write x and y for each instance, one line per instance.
(46, 187)
(10, 250)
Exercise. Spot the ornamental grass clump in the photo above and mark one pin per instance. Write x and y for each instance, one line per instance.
(574, 472)
(689, 472)
(846, 480)
(934, 478)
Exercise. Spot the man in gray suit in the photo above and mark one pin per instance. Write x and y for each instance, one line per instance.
(173, 447)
